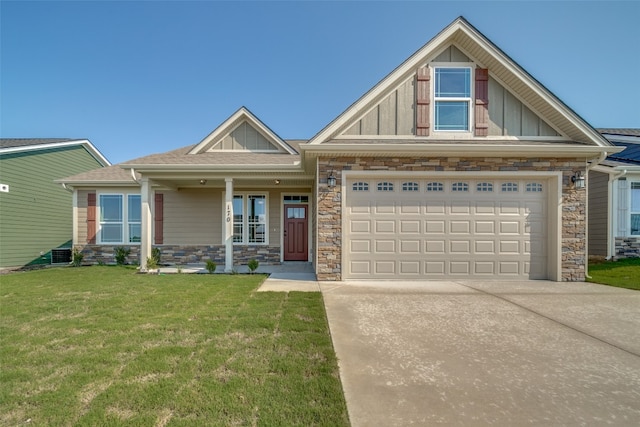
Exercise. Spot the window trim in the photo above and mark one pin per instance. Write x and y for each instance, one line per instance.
(245, 219)
(125, 218)
(469, 100)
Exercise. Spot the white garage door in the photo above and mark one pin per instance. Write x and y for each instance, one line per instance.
(445, 228)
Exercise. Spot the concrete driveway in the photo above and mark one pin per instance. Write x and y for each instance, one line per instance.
(486, 353)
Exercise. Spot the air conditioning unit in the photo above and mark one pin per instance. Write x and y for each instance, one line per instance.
(61, 256)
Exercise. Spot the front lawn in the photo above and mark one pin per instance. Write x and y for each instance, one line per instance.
(107, 346)
(624, 273)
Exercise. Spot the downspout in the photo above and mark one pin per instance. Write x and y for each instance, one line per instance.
(133, 176)
(610, 231)
(590, 166)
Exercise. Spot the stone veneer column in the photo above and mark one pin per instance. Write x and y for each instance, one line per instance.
(329, 213)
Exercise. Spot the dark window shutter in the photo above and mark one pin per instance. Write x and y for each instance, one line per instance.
(482, 102)
(159, 218)
(91, 218)
(423, 98)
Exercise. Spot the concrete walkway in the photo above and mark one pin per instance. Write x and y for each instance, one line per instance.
(486, 353)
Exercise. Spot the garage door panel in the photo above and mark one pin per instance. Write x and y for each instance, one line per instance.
(410, 246)
(459, 247)
(384, 207)
(491, 230)
(434, 226)
(385, 267)
(385, 227)
(459, 227)
(409, 226)
(388, 246)
(360, 226)
(409, 267)
(434, 246)
(360, 246)
(460, 207)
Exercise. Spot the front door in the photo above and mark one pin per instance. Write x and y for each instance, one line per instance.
(296, 233)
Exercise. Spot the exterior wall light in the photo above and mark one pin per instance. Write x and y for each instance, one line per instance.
(578, 180)
(331, 180)
(203, 181)
(276, 182)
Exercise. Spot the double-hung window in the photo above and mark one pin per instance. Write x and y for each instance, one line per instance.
(250, 218)
(452, 97)
(635, 209)
(120, 218)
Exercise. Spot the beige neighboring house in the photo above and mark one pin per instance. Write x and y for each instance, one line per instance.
(458, 164)
(614, 198)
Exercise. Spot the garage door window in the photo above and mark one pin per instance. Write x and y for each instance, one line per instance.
(510, 187)
(410, 186)
(360, 186)
(385, 186)
(435, 186)
(460, 186)
(533, 187)
(484, 187)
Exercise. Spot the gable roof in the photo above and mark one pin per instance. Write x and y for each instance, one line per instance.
(629, 139)
(17, 145)
(242, 115)
(475, 45)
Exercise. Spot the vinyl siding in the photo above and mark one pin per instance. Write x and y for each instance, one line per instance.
(36, 213)
(193, 217)
(598, 213)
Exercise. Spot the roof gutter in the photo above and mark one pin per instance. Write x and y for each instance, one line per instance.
(294, 167)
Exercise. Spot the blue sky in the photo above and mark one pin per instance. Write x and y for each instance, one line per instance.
(143, 77)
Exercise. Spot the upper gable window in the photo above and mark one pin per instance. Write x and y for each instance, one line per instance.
(452, 96)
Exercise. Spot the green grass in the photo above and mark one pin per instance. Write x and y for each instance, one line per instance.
(107, 346)
(624, 273)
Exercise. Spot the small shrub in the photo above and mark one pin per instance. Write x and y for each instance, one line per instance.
(121, 255)
(211, 266)
(151, 263)
(179, 269)
(101, 262)
(77, 258)
(155, 254)
(253, 265)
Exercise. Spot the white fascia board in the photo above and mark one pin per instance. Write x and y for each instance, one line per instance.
(229, 125)
(85, 142)
(472, 150)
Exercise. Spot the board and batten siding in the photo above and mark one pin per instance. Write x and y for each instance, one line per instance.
(36, 213)
(395, 114)
(598, 213)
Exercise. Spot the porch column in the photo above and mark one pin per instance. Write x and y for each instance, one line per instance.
(228, 229)
(146, 221)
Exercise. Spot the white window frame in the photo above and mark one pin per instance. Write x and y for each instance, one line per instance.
(631, 211)
(245, 219)
(468, 100)
(125, 218)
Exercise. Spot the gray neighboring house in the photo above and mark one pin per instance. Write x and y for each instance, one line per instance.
(614, 198)
(457, 165)
(35, 212)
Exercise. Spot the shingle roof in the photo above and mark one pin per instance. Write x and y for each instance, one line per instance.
(107, 174)
(181, 157)
(620, 131)
(26, 142)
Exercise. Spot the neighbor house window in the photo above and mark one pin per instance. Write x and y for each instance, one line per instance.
(635, 208)
(120, 218)
(452, 96)
(249, 218)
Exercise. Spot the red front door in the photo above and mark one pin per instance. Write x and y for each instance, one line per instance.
(296, 233)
